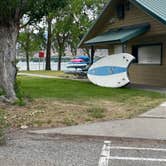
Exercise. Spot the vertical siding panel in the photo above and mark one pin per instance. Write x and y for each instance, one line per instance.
(137, 16)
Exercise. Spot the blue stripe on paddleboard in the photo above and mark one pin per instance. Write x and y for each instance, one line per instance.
(107, 70)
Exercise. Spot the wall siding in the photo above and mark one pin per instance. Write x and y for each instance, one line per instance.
(154, 75)
(148, 74)
(138, 16)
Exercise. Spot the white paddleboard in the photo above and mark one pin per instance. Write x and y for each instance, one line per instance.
(111, 71)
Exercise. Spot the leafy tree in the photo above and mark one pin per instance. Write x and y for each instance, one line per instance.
(72, 22)
(61, 30)
(11, 12)
(29, 43)
(84, 14)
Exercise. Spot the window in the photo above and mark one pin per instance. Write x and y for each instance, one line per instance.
(118, 49)
(148, 54)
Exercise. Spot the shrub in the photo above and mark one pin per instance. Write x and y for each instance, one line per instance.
(19, 93)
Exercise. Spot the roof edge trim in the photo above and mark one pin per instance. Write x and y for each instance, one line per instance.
(148, 11)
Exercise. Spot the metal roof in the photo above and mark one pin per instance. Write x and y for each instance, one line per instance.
(119, 35)
(156, 8)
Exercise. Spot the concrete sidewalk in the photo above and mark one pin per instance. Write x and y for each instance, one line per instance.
(47, 76)
(147, 88)
(39, 75)
(151, 125)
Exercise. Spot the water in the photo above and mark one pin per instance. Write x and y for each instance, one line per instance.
(40, 66)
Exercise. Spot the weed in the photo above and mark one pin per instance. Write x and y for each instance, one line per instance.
(49, 121)
(38, 123)
(1, 91)
(96, 112)
(69, 122)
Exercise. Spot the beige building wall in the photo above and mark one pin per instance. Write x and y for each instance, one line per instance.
(137, 16)
(154, 75)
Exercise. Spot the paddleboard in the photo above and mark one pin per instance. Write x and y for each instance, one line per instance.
(111, 71)
(76, 65)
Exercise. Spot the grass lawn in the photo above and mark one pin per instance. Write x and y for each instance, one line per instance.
(58, 102)
(77, 90)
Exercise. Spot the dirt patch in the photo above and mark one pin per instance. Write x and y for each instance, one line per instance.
(58, 113)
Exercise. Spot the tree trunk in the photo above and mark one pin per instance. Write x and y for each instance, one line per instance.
(27, 60)
(27, 48)
(74, 51)
(59, 59)
(48, 53)
(8, 37)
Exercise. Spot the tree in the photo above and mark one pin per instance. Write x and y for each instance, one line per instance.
(72, 22)
(49, 41)
(29, 43)
(84, 13)
(61, 30)
(11, 12)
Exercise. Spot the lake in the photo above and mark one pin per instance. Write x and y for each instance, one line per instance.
(41, 66)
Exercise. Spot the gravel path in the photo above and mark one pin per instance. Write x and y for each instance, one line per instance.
(24, 149)
(40, 150)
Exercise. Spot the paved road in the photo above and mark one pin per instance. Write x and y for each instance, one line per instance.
(43, 150)
(37, 150)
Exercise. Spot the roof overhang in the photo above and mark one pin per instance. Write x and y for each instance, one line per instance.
(120, 35)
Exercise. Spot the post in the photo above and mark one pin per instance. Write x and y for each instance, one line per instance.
(39, 63)
(124, 47)
(43, 62)
(92, 54)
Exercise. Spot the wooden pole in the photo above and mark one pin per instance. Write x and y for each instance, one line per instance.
(124, 47)
(92, 54)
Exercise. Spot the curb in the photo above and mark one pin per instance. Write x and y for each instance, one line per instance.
(113, 138)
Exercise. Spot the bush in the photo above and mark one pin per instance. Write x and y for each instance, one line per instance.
(19, 93)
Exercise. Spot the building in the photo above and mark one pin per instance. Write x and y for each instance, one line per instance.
(137, 27)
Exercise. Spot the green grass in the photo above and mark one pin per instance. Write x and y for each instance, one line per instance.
(77, 90)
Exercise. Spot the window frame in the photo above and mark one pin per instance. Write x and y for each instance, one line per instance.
(135, 53)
